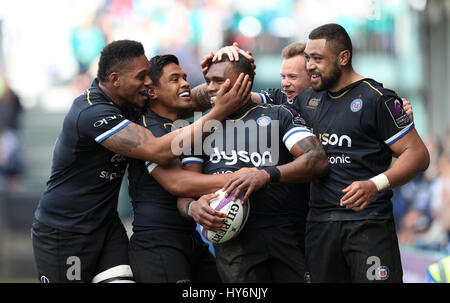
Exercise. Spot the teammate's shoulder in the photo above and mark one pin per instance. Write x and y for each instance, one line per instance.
(272, 95)
(376, 88)
(271, 92)
(267, 108)
(92, 98)
(255, 111)
(261, 107)
(154, 122)
(292, 114)
(307, 94)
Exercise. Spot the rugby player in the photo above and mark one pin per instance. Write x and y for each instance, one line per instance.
(269, 248)
(284, 96)
(165, 247)
(350, 234)
(77, 234)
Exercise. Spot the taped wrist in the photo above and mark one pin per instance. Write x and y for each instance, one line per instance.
(187, 206)
(381, 182)
(273, 172)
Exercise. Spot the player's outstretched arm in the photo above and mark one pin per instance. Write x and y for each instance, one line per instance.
(187, 183)
(413, 158)
(137, 142)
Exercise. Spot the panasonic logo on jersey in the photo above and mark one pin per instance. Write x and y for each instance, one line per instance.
(341, 159)
(334, 139)
(255, 158)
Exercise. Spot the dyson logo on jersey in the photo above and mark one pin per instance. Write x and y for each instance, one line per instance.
(333, 139)
(256, 140)
(255, 158)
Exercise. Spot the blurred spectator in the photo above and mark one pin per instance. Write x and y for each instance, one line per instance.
(87, 41)
(10, 158)
(414, 200)
(440, 204)
(423, 205)
(10, 106)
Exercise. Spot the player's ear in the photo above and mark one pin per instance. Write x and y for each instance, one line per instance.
(344, 57)
(115, 79)
(153, 92)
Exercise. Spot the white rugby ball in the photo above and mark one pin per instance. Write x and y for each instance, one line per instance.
(236, 214)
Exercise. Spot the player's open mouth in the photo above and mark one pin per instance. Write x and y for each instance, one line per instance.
(289, 93)
(212, 99)
(186, 95)
(314, 78)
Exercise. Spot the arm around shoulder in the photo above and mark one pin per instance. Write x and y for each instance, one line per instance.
(135, 141)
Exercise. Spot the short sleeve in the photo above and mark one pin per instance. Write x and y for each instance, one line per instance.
(292, 127)
(392, 120)
(101, 121)
(192, 158)
(272, 96)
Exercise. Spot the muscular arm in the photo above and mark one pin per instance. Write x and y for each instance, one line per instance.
(310, 162)
(199, 209)
(137, 142)
(413, 158)
(187, 183)
(200, 99)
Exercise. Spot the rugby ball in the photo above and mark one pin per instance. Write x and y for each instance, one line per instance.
(236, 214)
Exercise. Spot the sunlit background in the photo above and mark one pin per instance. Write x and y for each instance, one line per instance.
(49, 51)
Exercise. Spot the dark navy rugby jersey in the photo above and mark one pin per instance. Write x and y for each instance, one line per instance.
(155, 209)
(355, 126)
(82, 191)
(259, 135)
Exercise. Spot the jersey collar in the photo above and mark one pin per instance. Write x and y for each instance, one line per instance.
(343, 91)
(242, 111)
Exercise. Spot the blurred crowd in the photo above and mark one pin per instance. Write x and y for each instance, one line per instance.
(188, 29)
(422, 206)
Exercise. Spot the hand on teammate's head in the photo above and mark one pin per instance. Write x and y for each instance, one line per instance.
(232, 52)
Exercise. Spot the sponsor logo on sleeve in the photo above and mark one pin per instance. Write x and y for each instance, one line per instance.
(296, 118)
(397, 112)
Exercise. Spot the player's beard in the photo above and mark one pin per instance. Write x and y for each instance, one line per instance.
(331, 79)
